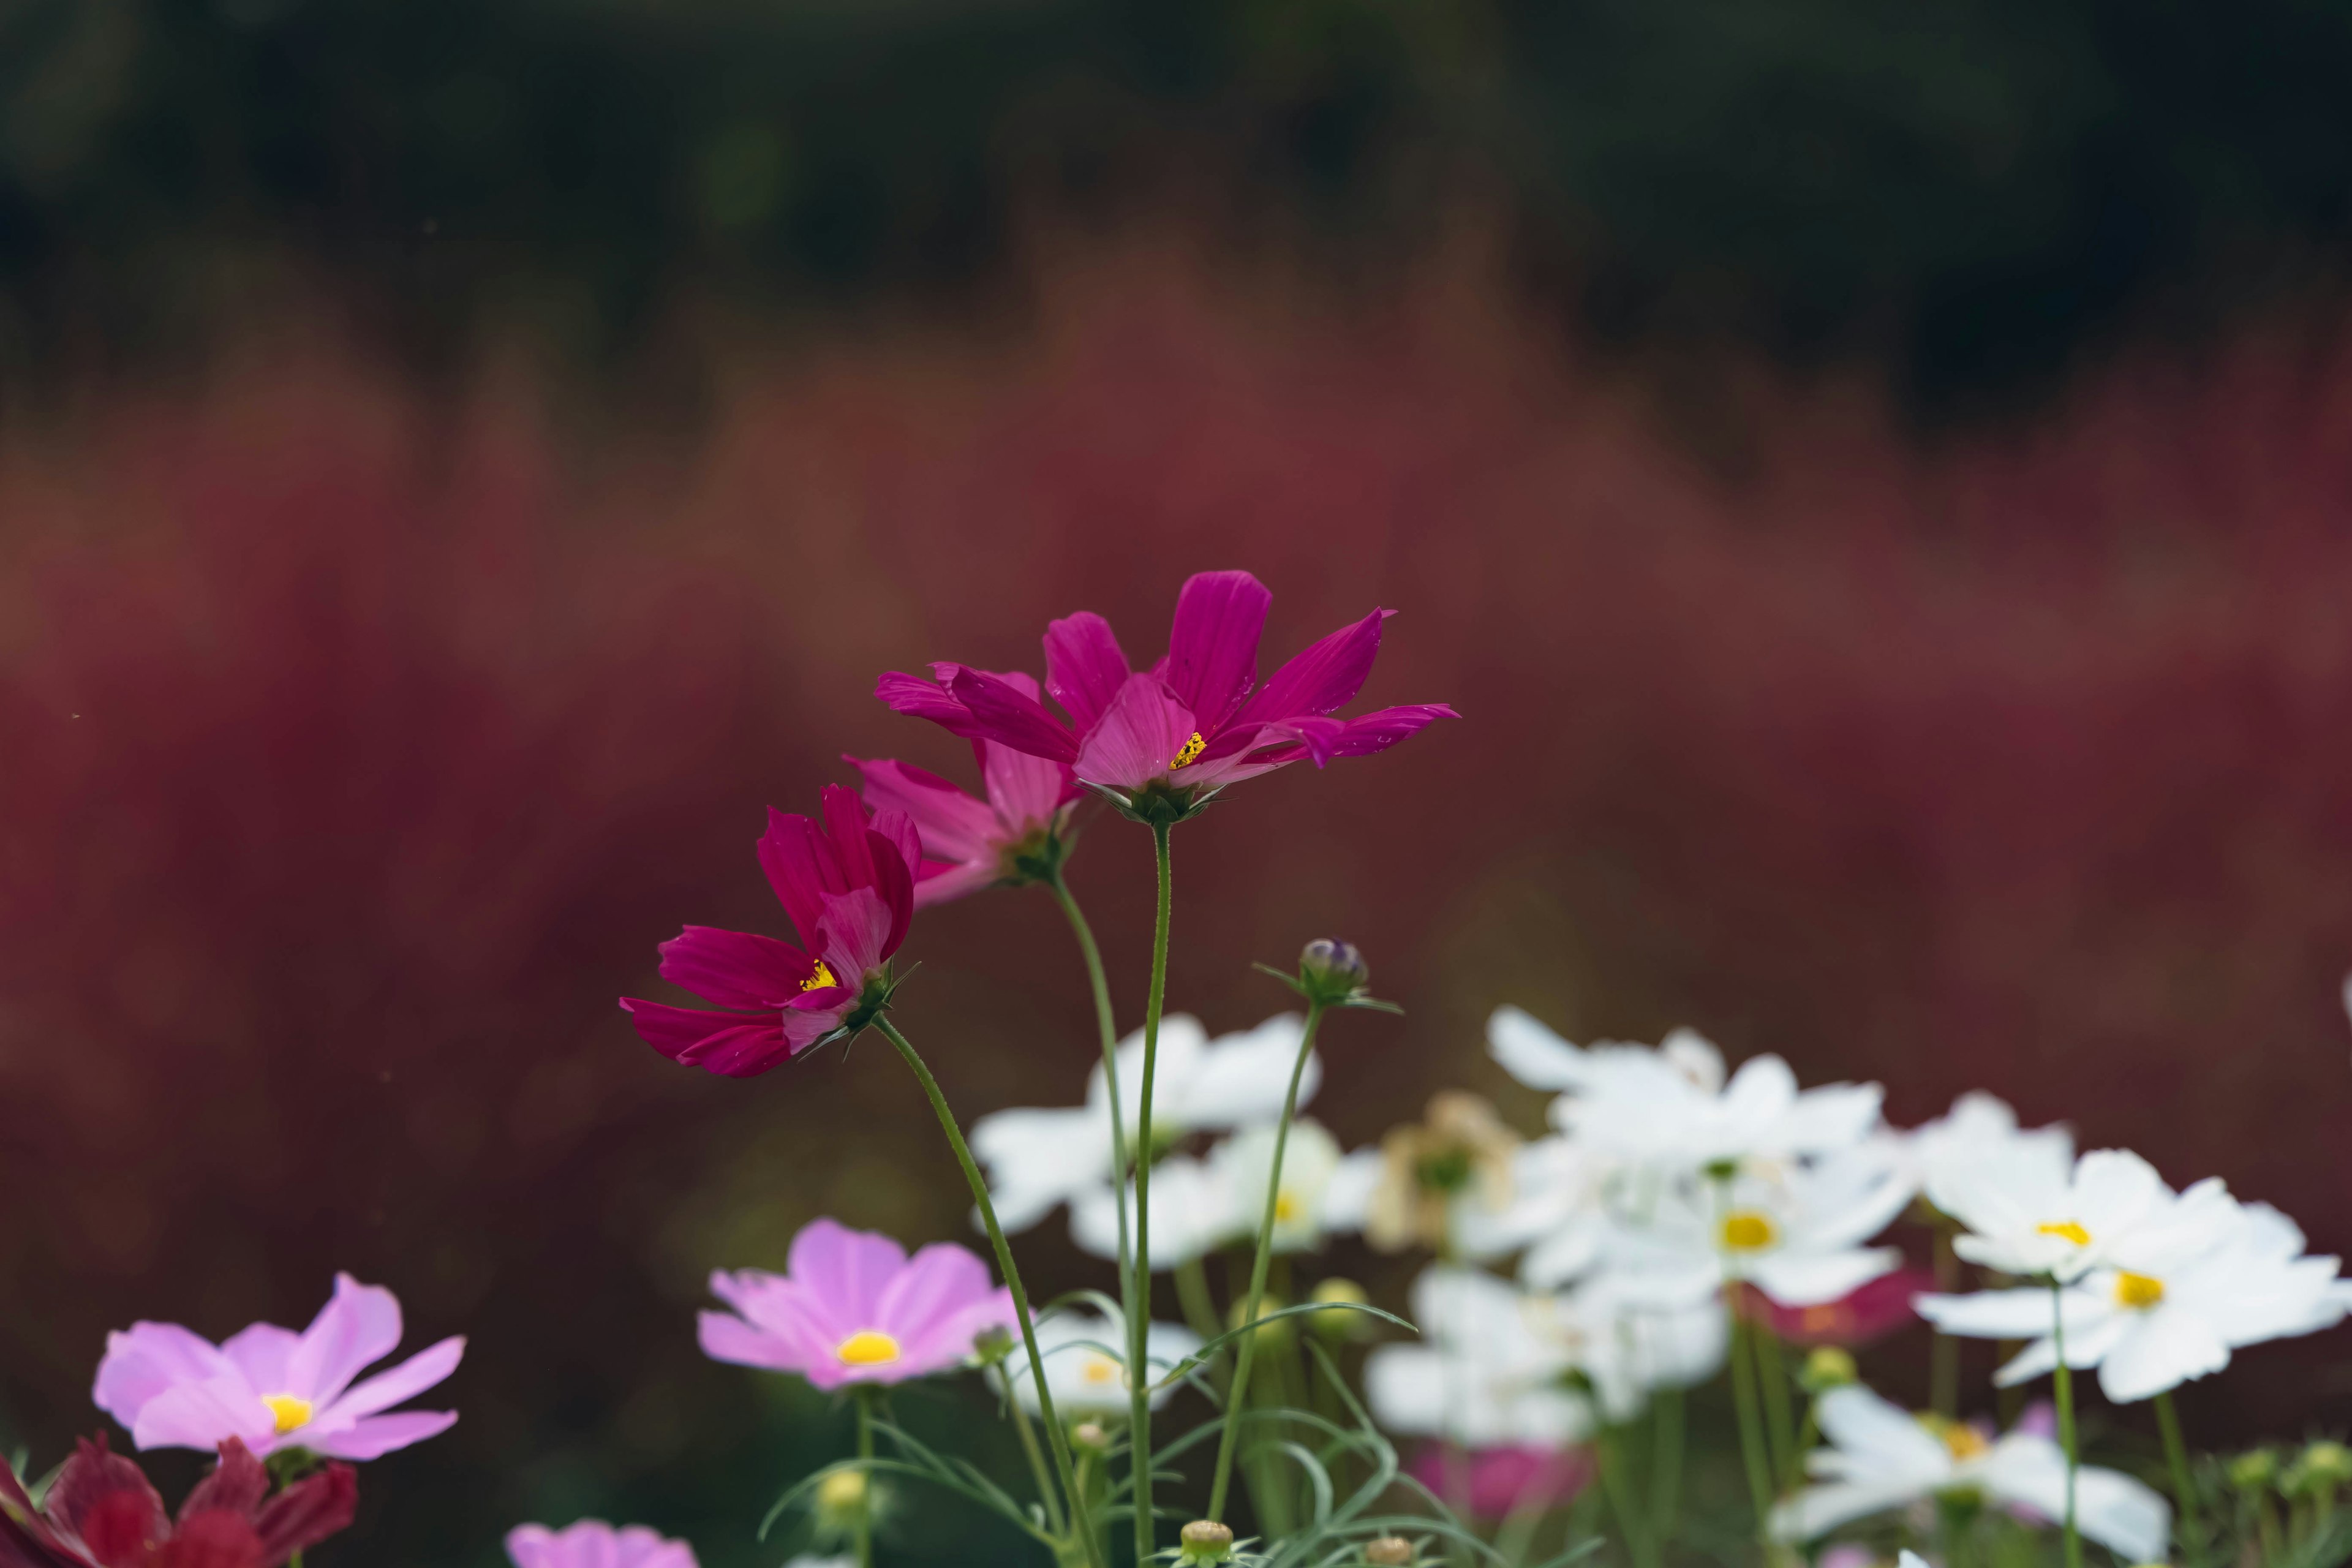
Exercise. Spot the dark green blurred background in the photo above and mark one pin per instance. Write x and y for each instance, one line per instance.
(1876, 480)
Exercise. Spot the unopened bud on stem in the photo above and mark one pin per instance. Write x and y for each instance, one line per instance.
(1203, 1541)
(1388, 1551)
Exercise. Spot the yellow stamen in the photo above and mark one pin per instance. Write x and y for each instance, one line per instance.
(1100, 1369)
(2137, 1290)
(2064, 1228)
(1747, 1230)
(820, 978)
(1286, 1208)
(1191, 751)
(868, 1347)
(288, 1411)
(1964, 1442)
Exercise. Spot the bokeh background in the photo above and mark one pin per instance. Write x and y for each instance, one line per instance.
(1876, 481)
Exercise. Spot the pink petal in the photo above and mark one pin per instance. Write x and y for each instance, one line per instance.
(735, 968)
(810, 1018)
(409, 1379)
(941, 1280)
(262, 1352)
(379, 1435)
(201, 1414)
(856, 934)
(359, 1324)
(1213, 645)
(730, 1044)
(954, 826)
(847, 1270)
(1323, 676)
(948, 1341)
(727, 1338)
(942, 884)
(148, 1359)
(921, 699)
(1138, 735)
(1367, 734)
(793, 855)
(1085, 666)
(1002, 711)
(1026, 792)
(844, 828)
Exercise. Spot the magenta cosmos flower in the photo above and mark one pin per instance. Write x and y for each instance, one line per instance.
(1015, 836)
(1194, 722)
(273, 1388)
(1503, 1480)
(853, 1308)
(592, 1543)
(849, 888)
(101, 1511)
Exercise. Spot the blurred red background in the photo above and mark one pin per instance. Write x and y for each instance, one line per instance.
(362, 737)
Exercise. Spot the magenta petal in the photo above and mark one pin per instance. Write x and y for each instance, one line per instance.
(954, 825)
(1023, 792)
(790, 854)
(1002, 711)
(1366, 733)
(1213, 645)
(734, 968)
(1323, 676)
(943, 884)
(732, 1045)
(846, 1268)
(846, 832)
(1085, 666)
(855, 932)
(921, 699)
(379, 1435)
(1140, 733)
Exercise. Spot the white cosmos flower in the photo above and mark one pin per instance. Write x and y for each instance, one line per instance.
(1085, 1364)
(1671, 1110)
(1880, 1457)
(1981, 1127)
(1310, 1162)
(1037, 1158)
(2171, 1302)
(1488, 1369)
(2033, 1217)
(1195, 1211)
(1628, 1348)
(1797, 1232)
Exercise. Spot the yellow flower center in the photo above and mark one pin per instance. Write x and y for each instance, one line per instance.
(1286, 1208)
(820, 978)
(2137, 1290)
(1099, 1370)
(1963, 1442)
(1747, 1230)
(2064, 1229)
(868, 1347)
(1191, 751)
(288, 1411)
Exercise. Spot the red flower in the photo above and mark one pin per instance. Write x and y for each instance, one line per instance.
(101, 1513)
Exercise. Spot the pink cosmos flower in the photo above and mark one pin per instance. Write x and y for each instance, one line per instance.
(849, 888)
(272, 1388)
(1194, 722)
(969, 844)
(1507, 1478)
(1862, 1316)
(101, 1513)
(853, 1307)
(592, 1543)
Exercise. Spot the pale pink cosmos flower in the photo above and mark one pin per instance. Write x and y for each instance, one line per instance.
(968, 843)
(853, 1307)
(1194, 722)
(273, 1388)
(592, 1543)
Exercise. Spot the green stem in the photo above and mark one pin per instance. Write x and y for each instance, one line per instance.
(865, 1476)
(1107, 1026)
(2184, 1485)
(1944, 1349)
(1772, 1377)
(1192, 1296)
(1751, 1426)
(1256, 1298)
(2064, 1383)
(1609, 1457)
(1139, 1300)
(1055, 1437)
(1665, 1463)
(1047, 1493)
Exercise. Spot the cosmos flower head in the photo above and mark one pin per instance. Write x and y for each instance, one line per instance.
(1085, 1356)
(848, 886)
(1161, 742)
(1019, 833)
(592, 1543)
(101, 1511)
(853, 1308)
(271, 1387)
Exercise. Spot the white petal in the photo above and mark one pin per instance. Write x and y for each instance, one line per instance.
(1532, 1053)
(2161, 1349)
(2113, 1509)
(1810, 1280)
(1816, 1510)
(2020, 1314)
(1882, 1437)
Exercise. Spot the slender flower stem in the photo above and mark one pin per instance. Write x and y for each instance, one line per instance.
(1057, 1438)
(2064, 1380)
(2184, 1485)
(1106, 1023)
(1047, 1493)
(1665, 1463)
(1608, 1454)
(1772, 1377)
(1139, 1298)
(1751, 1427)
(1943, 1348)
(864, 1400)
(1256, 1296)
